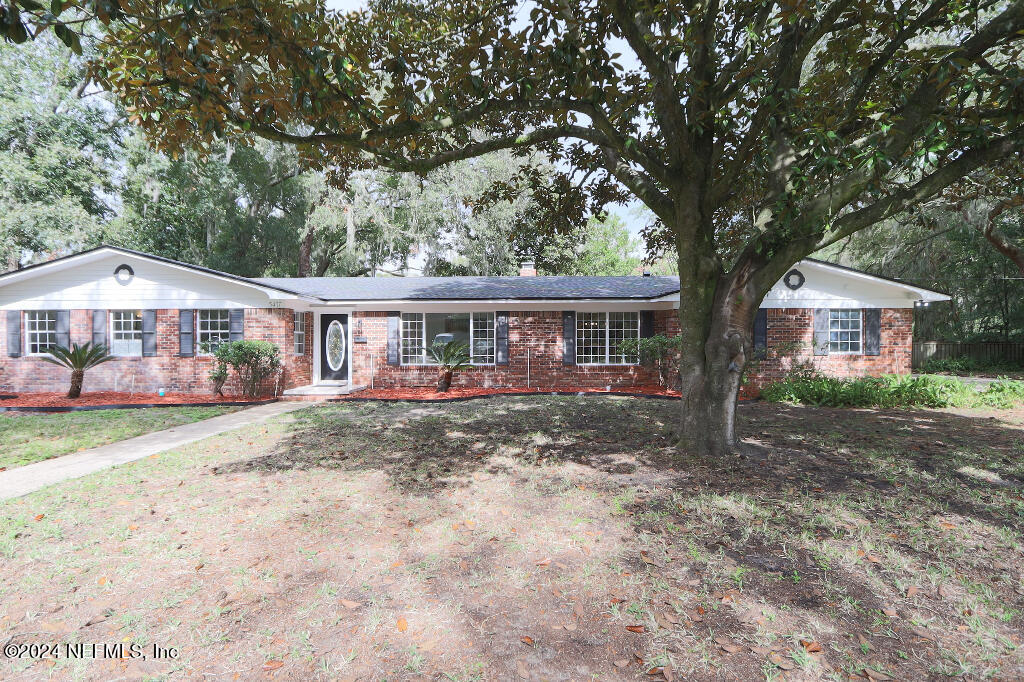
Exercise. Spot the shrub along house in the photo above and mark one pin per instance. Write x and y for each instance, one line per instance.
(160, 318)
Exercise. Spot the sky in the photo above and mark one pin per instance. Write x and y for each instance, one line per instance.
(633, 214)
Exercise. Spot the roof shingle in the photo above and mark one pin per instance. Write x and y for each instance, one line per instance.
(475, 288)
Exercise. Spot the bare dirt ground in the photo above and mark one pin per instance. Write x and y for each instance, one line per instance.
(552, 538)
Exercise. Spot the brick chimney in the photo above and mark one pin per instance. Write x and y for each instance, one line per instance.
(527, 269)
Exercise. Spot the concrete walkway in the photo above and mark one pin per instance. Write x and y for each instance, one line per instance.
(32, 477)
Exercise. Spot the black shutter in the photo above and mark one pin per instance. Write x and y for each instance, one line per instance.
(646, 324)
(820, 331)
(761, 332)
(186, 333)
(64, 328)
(236, 324)
(872, 331)
(568, 337)
(148, 333)
(14, 333)
(394, 338)
(99, 327)
(501, 338)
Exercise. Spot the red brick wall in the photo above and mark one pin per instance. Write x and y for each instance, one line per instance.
(534, 334)
(537, 335)
(790, 337)
(164, 370)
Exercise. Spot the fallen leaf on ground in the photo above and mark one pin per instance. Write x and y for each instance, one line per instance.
(876, 675)
(403, 624)
(522, 671)
(811, 646)
(544, 562)
(272, 665)
(621, 663)
(527, 640)
(349, 604)
(912, 590)
(636, 628)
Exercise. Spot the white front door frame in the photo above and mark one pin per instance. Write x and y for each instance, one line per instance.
(332, 310)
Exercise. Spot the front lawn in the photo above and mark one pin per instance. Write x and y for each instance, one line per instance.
(538, 538)
(32, 437)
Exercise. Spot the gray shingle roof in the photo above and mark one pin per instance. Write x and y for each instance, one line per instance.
(474, 288)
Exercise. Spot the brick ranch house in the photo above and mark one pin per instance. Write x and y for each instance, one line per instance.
(160, 317)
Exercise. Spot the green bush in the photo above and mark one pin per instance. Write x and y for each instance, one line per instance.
(252, 361)
(968, 365)
(660, 352)
(895, 390)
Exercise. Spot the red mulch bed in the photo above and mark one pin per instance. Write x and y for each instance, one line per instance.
(458, 392)
(94, 398)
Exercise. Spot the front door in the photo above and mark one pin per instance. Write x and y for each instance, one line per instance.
(334, 347)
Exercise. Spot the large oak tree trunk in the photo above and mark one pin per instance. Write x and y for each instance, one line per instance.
(716, 315)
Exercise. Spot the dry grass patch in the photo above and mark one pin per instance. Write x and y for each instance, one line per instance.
(536, 538)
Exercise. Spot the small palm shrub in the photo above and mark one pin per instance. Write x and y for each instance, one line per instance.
(252, 361)
(78, 359)
(449, 357)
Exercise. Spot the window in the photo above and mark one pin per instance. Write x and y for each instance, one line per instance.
(40, 331)
(126, 333)
(599, 335)
(412, 339)
(482, 332)
(844, 331)
(214, 328)
(300, 333)
(421, 330)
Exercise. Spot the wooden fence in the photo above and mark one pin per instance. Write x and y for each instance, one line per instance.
(983, 352)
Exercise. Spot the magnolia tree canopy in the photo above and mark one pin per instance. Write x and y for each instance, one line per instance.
(756, 132)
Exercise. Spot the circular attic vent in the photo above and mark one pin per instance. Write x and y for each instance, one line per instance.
(124, 274)
(794, 279)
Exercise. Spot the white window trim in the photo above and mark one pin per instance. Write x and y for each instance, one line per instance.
(110, 332)
(860, 328)
(423, 338)
(607, 338)
(198, 326)
(28, 334)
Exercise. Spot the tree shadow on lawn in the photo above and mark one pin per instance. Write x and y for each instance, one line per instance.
(425, 449)
(829, 515)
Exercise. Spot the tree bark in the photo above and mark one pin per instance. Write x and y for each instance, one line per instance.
(306, 253)
(77, 377)
(716, 317)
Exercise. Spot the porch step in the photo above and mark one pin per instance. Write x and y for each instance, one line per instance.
(313, 392)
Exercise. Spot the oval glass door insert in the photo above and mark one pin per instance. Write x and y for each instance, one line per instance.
(335, 345)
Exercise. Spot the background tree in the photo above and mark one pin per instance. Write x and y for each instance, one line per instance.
(59, 153)
(825, 117)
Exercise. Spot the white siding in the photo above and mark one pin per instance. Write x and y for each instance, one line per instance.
(826, 287)
(155, 285)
